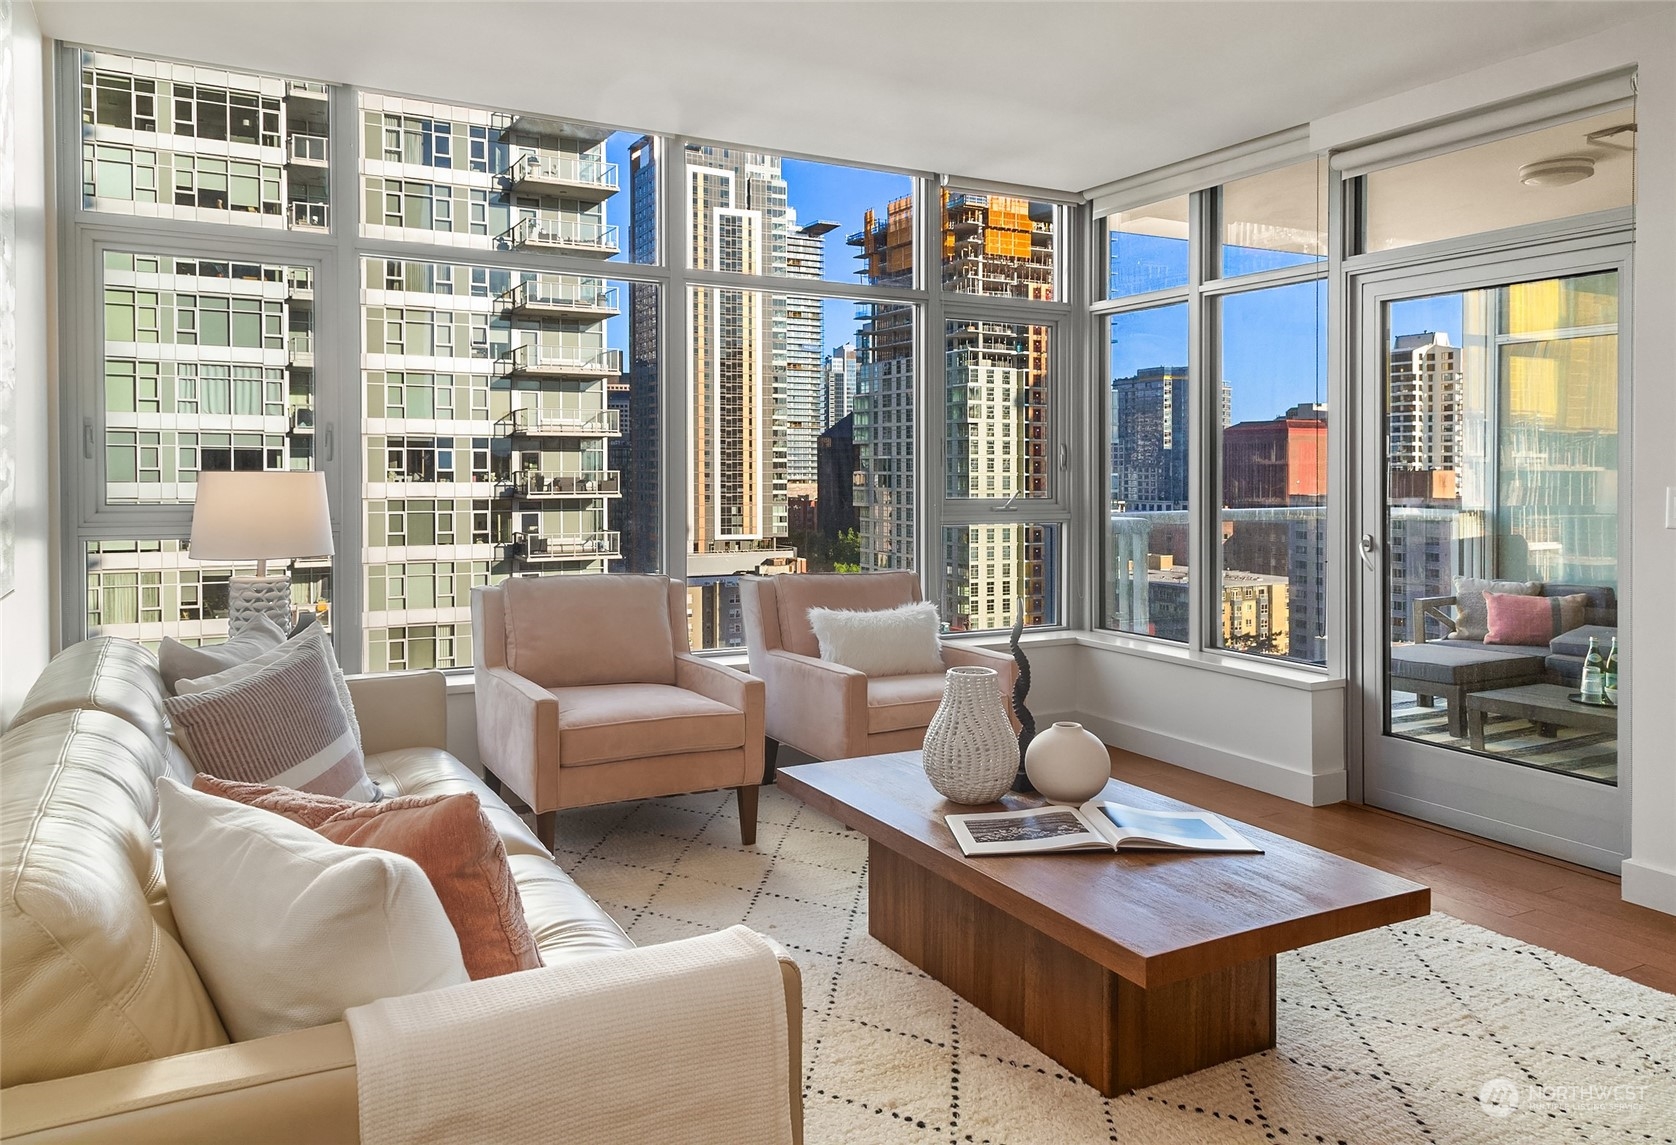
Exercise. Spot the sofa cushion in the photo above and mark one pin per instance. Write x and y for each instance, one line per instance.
(284, 725)
(451, 840)
(1533, 620)
(1576, 642)
(288, 930)
(564, 920)
(432, 771)
(606, 723)
(95, 975)
(900, 641)
(107, 673)
(797, 593)
(1474, 667)
(1603, 600)
(897, 703)
(1471, 613)
(564, 631)
(178, 661)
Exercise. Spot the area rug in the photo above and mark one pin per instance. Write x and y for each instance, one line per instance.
(1430, 1031)
(1574, 751)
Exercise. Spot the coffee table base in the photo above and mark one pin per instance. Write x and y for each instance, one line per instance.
(1114, 1035)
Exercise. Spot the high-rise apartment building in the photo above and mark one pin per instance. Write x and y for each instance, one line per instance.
(995, 381)
(489, 415)
(1425, 409)
(805, 342)
(1149, 439)
(638, 453)
(838, 381)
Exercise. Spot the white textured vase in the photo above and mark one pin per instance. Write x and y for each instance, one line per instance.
(970, 752)
(1067, 763)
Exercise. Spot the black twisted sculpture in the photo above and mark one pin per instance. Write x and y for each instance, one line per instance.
(1021, 689)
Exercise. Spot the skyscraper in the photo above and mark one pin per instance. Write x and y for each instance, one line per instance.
(639, 455)
(838, 380)
(1149, 439)
(1425, 403)
(805, 340)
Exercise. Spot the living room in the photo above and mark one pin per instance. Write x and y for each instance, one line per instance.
(1091, 213)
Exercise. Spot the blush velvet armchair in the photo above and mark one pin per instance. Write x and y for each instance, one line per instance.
(587, 693)
(827, 710)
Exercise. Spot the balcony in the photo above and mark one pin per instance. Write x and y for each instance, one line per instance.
(305, 89)
(566, 297)
(299, 349)
(306, 150)
(580, 236)
(573, 176)
(535, 361)
(532, 548)
(309, 216)
(560, 423)
(299, 284)
(536, 486)
(302, 421)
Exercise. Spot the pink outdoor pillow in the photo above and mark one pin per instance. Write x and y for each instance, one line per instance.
(1532, 620)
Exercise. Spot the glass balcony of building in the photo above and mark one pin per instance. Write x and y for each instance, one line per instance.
(299, 347)
(580, 236)
(534, 485)
(530, 360)
(584, 177)
(563, 296)
(306, 150)
(535, 548)
(560, 423)
(306, 216)
(306, 89)
(299, 284)
(302, 420)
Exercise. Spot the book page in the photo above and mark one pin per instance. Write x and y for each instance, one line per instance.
(1188, 830)
(1021, 832)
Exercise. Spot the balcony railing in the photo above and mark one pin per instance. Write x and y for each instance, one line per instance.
(564, 234)
(305, 89)
(299, 344)
(583, 297)
(302, 420)
(536, 361)
(309, 149)
(299, 284)
(566, 546)
(578, 176)
(310, 216)
(560, 423)
(536, 486)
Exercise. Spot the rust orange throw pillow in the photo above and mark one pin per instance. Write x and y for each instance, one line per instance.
(447, 835)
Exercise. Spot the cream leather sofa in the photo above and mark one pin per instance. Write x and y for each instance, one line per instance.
(108, 1033)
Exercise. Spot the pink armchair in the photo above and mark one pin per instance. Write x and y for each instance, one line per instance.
(587, 693)
(827, 710)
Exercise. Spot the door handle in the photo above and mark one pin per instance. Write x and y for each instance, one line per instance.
(1367, 544)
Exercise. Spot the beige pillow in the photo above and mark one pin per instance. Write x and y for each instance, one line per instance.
(898, 641)
(288, 930)
(1472, 617)
(177, 661)
(285, 725)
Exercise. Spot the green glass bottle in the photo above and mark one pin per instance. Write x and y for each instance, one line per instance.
(1609, 674)
(1590, 685)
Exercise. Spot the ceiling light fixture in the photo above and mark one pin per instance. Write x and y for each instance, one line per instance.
(1557, 172)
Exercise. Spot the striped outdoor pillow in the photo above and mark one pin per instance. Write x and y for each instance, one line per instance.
(284, 725)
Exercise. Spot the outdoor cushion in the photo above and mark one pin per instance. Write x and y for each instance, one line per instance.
(1576, 642)
(1471, 666)
(606, 723)
(1471, 613)
(1516, 619)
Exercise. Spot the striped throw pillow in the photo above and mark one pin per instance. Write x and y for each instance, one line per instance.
(284, 725)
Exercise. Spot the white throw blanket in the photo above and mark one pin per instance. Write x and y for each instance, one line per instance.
(682, 1042)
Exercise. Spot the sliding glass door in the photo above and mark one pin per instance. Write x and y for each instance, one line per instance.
(1490, 548)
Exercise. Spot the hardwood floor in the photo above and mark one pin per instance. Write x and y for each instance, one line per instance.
(1546, 902)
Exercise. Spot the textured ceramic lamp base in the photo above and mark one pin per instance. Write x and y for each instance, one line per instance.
(249, 597)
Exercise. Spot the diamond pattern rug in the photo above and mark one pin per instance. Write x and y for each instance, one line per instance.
(1427, 1031)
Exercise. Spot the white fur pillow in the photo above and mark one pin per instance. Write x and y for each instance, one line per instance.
(898, 641)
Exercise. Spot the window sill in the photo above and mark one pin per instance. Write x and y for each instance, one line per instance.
(1281, 675)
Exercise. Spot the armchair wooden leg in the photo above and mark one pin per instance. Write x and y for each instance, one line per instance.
(770, 753)
(747, 796)
(492, 782)
(547, 827)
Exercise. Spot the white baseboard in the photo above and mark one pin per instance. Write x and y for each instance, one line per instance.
(1273, 778)
(1649, 886)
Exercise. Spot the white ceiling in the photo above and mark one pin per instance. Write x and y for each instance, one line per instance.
(1040, 92)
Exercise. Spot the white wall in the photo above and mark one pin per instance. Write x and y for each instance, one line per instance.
(25, 615)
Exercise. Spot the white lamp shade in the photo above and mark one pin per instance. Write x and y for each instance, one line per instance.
(260, 516)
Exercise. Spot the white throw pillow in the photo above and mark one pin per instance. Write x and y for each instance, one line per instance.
(310, 634)
(898, 641)
(288, 930)
(178, 661)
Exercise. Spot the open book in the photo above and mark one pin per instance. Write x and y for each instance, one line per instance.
(1095, 826)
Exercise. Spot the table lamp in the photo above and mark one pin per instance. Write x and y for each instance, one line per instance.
(261, 517)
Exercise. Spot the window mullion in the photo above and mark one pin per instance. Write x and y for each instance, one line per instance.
(1202, 417)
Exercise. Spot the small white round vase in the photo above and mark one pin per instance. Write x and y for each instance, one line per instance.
(1067, 763)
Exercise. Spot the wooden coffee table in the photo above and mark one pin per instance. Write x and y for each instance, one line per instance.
(1545, 705)
(1127, 969)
